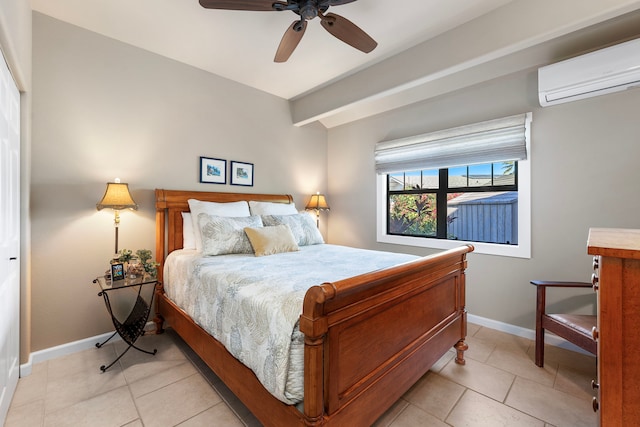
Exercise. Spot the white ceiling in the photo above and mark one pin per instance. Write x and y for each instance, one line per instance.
(240, 45)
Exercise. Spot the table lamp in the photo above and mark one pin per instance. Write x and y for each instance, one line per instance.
(117, 197)
(317, 203)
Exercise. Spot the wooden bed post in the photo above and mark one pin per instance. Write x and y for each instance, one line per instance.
(160, 231)
(160, 255)
(462, 346)
(314, 325)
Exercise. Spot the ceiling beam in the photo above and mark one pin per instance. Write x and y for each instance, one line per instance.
(511, 38)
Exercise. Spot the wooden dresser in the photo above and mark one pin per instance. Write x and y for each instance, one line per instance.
(617, 282)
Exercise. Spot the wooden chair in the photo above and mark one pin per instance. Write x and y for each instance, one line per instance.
(575, 328)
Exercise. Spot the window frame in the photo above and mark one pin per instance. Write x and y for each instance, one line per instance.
(521, 250)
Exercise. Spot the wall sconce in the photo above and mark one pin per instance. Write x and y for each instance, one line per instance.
(117, 197)
(317, 203)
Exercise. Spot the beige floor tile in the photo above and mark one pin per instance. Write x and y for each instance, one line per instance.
(27, 415)
(112, 409)
(552, 406)
(74, 388)
(167, 350)
(435, 394)
(472, 328)
(392, 413)
(177, 402)
(476, 410)
(169, 390)
(416, 417)
(83, 361)
(219, 416)
(478, 350)
(442, 362)
(502, 339)
(484, 379)
(563, 356)
(576, 381)
(516, 360)
(157, 374)
(32, 387)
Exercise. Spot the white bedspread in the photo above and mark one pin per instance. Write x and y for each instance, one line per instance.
(252, 304)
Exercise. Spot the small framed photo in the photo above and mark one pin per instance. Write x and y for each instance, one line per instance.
(241, 173)
(213, 171)
(117, 271)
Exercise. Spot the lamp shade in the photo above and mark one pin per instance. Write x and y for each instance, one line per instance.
(318, 202)
(117, 197)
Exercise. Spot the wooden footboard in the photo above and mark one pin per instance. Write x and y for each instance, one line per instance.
(368, 339)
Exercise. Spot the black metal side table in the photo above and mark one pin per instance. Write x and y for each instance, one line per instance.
(130, 299)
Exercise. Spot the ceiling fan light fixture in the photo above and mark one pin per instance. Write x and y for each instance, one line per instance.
(308, 11)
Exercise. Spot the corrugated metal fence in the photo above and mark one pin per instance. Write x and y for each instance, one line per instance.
(484, 217)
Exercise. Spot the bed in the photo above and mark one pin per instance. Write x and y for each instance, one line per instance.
(403, 318)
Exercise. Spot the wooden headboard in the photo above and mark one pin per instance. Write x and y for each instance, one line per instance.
(171, 203)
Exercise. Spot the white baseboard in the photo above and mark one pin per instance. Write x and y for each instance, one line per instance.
(69, 348)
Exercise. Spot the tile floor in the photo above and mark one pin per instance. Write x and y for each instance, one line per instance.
(499, 386)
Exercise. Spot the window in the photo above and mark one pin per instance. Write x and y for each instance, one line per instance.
(475, 203)
(474, 187)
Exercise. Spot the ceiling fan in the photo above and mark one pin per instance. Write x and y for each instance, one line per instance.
(337, 25)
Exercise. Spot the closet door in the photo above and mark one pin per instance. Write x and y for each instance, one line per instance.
(9, 237)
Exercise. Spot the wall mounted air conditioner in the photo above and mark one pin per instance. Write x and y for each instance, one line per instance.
(604, 71)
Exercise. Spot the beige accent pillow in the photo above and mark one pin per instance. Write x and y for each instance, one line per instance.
(271, 240)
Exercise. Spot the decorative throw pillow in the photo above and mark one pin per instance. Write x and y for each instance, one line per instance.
(271, 240)
(303, 226)
(225, 235)
(230, 209)
(271, 208)
(188, 235)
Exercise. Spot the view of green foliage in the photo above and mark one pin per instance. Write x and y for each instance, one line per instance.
(413, 214)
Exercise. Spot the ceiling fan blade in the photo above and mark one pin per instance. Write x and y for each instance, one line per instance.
(339, 2)
(348, 32)
(266, 5)
(290, 40)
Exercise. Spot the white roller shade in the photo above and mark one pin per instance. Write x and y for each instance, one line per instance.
(486, 142)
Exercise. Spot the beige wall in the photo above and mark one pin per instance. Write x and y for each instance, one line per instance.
(584, 174)
(103, 109)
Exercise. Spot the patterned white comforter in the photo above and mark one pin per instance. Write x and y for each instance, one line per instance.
(252, 304)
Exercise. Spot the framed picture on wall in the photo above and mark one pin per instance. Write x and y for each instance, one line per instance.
(241, 173)
(213, 171)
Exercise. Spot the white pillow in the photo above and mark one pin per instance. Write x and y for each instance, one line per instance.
(230, 209)
(225, 235)
(271, 208)
(188, 236)
(303, 226)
